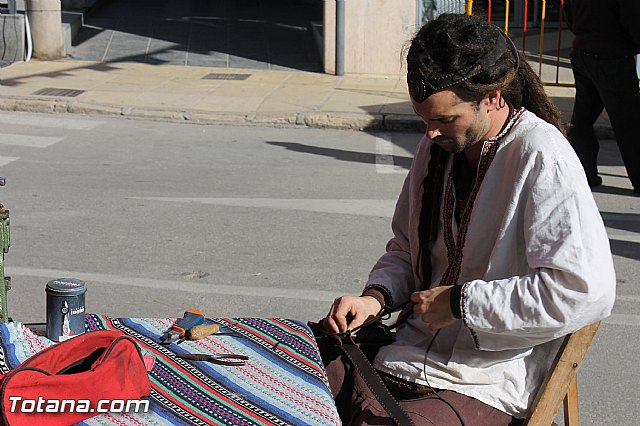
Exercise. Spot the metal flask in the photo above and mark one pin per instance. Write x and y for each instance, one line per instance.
(65, 308)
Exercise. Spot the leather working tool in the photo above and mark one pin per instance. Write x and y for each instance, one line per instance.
(221, 359)
(177, 332)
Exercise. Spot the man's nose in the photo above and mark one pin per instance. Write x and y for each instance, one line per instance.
(433, 132)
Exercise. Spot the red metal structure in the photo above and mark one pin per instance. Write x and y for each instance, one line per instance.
(529, 21)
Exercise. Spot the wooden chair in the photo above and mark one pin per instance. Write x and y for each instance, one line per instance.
(561, 382)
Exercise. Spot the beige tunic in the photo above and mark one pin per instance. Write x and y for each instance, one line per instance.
(536, 266)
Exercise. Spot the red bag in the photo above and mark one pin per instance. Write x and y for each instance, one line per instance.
(74, 380)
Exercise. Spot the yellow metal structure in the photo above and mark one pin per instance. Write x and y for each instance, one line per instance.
(543, 15)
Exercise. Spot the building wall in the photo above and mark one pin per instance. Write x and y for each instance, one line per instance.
(12, 37)
(376, 34)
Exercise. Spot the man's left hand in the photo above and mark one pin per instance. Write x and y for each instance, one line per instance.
(433, 307)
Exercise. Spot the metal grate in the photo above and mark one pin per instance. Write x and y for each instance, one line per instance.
(69, 93)
(217, 76)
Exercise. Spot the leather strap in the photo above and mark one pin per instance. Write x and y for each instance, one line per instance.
(368, 373)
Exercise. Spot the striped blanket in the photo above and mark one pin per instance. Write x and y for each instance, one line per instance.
(282, 383)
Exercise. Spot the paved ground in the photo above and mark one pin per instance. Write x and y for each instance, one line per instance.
(207, 95)
(141, 81)
(221, 95)
(254, 34)
(158, 217)
(231, 61)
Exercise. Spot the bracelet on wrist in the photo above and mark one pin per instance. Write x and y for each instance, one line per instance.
(379, 297)
(454, 301)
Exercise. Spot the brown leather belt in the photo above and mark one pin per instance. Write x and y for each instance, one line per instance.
(403, 389)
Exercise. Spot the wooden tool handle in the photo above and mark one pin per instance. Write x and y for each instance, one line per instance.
(198, 332)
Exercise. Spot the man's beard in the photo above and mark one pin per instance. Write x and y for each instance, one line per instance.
(470, 137)
(454, 145)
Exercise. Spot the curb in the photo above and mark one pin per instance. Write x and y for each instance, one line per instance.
(318, 120)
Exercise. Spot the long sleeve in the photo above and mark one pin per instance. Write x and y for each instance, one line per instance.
(571, 280)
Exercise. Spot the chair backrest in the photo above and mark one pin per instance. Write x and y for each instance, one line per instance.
(561, 383)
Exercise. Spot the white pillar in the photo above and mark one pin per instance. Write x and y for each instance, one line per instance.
(45, 20)
(375, 33)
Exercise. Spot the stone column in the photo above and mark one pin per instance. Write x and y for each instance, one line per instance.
(375, 33)
(45, 20)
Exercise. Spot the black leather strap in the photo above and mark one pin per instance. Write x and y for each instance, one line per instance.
(368, 373)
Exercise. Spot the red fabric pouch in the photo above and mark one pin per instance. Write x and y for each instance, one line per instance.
(74, 380)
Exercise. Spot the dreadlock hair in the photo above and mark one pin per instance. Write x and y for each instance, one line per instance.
(454, 44)
(461, 53)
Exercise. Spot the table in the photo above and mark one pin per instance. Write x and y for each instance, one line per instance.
(282, 383)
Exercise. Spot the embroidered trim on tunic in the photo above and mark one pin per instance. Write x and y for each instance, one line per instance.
(455, 246)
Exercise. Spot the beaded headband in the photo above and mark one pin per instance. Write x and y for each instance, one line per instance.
(421, 87)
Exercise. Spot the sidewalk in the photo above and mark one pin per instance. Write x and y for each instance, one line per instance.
(109, 77)
(221, 95)
(209, 95)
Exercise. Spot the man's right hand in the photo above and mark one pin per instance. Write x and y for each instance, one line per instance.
(349, 312)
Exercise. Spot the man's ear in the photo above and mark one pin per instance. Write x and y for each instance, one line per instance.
(492, 100)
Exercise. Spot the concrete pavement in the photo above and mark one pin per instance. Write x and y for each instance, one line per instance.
(148, 59)
(221, 95)
(207, 95)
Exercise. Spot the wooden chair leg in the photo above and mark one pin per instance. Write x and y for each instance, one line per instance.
(560, 384)
(571, 417)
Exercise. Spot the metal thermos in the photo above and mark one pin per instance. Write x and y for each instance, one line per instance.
(65, 308)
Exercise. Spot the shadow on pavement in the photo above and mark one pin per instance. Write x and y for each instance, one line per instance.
(623, 221)
(340, 154)
(628, 249)
(604, 189)
(102, 67)
(260, 34)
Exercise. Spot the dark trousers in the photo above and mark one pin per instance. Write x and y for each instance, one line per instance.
(357, 406)
(610, 83)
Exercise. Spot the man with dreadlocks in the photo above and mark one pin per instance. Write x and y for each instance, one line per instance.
(498, 245)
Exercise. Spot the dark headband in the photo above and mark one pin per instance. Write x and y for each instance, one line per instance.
(421, 87)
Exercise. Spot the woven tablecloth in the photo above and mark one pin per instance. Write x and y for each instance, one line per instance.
(282, 383)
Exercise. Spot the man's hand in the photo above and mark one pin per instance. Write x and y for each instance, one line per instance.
(433, 307)
(348, 312)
